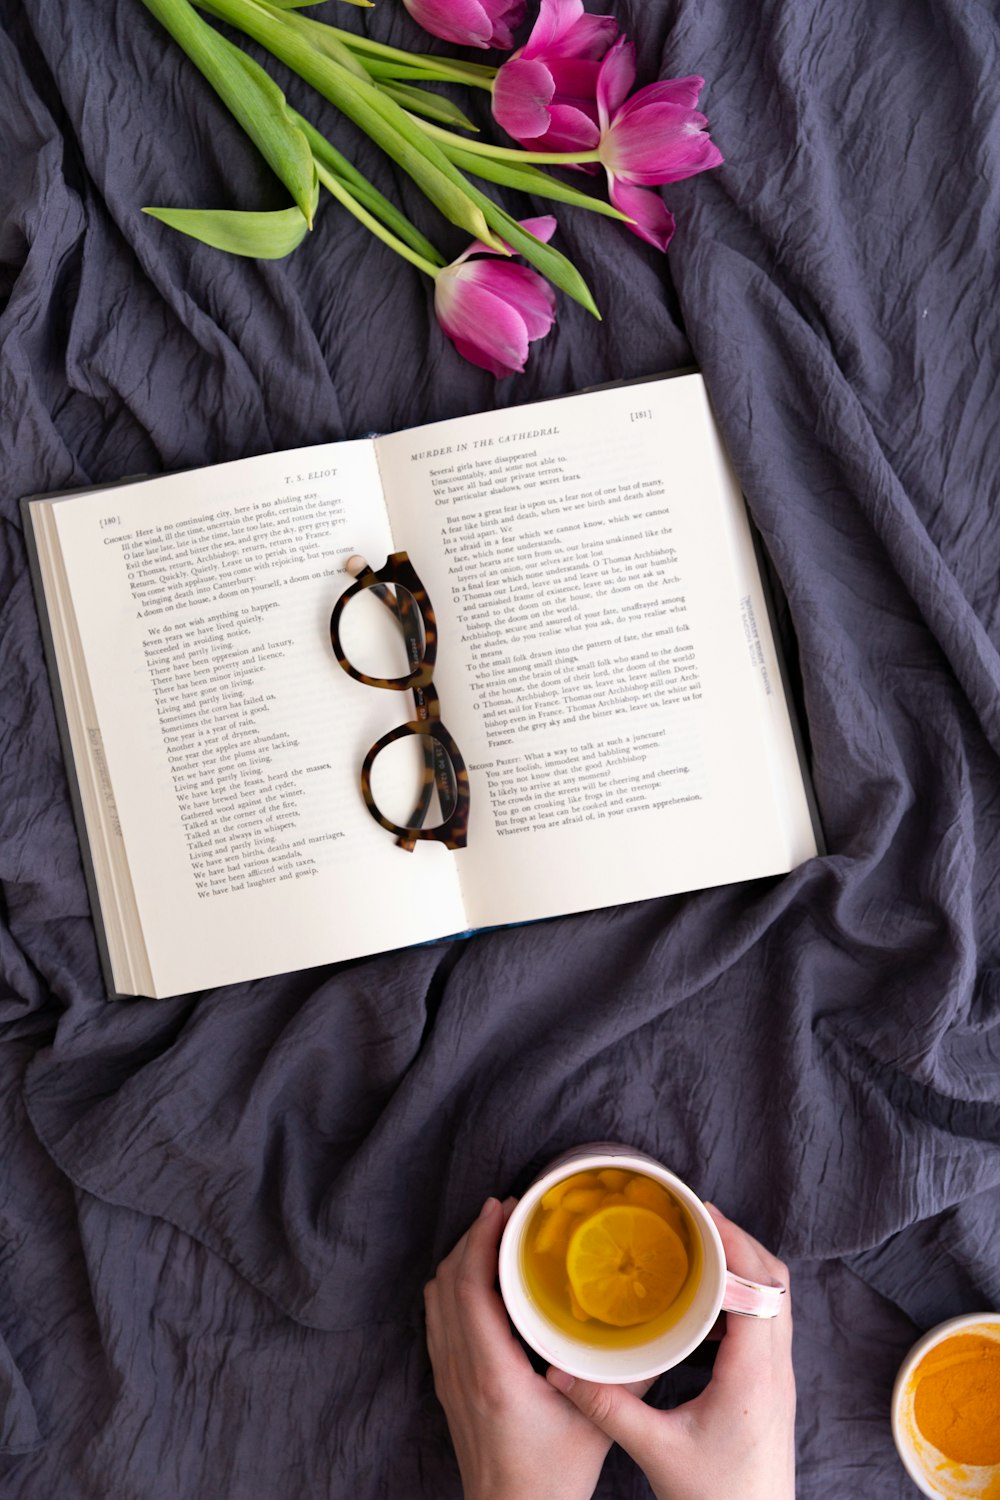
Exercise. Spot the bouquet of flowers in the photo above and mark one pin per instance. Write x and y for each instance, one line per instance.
(565, 97)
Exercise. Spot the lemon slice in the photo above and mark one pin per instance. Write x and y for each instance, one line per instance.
(625, 1265)
(645, 1193)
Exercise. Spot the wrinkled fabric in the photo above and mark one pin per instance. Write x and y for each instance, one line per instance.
(217, 1212)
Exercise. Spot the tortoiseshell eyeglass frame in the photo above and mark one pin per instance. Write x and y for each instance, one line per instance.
(401, 591)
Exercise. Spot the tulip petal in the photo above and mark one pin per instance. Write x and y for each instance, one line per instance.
(657, 143)
(464, 22)
(556, 18)
(575, 81)
(645, 103)
(615, 78)
(486, 361)
(522, 92)
(569, 130)
(654, 222)
(682, 91)
(507, 16)
(543, 228)
(564, 30)
(522, 289)
(592, 36)
(483, 328)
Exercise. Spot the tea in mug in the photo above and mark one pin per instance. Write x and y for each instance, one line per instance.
(611, 1257)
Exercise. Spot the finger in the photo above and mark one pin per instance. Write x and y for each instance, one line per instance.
(750, 1343)
(640, 1387)
(479, 1244)
(477, 1303)
(746, 1256)
(754, 1344)
(717, 1330)
(456, 1255)
(618, 1413)
(448, 1265)
(440, 1292)
(447, 1296)
(432, 1321)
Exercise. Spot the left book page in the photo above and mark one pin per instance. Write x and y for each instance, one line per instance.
(216, 739)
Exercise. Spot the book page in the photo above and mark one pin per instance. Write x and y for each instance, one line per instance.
(605, 660)
(230, 735)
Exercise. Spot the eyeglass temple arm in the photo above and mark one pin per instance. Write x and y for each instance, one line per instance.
(437, 766)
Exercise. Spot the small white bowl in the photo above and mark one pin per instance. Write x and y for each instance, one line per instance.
(931, 1472)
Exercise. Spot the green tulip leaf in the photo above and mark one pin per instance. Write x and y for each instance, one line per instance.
(367, 194)
(552, 264)
(254, 99)
(264, 236)
(434, 106)
(403, 140)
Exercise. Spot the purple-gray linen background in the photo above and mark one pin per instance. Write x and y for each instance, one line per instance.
(217, 1212)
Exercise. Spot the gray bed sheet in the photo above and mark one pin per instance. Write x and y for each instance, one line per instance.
(217, 1212)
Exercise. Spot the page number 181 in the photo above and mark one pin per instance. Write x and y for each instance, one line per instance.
(642, 414)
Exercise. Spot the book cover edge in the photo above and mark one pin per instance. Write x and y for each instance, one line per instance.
(65, 741)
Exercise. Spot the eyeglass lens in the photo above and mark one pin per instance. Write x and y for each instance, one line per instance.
(382, 631)
(413, 782)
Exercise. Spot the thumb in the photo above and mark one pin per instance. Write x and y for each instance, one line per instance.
(619, 1414)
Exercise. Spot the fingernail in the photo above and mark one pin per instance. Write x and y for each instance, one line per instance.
(560, 1380)
(487, 1208)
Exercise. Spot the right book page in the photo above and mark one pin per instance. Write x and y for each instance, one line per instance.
(606, 662)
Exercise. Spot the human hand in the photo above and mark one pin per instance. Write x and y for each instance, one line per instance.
(515, 1437)
(737, 1439)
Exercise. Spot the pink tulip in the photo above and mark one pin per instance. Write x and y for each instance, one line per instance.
(470, 23)
(546, 95)
(655, 136)
(492, 310)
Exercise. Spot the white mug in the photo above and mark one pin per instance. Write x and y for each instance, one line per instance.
(718, 1289)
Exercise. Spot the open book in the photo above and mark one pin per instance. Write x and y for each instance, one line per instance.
(605, 662)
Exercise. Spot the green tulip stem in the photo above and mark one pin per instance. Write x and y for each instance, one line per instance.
(477, 75)
(336, 187)
(508, 153)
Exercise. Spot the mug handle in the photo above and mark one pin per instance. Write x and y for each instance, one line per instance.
(751, 1298)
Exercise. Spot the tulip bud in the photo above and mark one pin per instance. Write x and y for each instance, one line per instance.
(470, 23)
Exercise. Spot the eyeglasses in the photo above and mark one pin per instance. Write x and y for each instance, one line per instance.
(386, 622)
